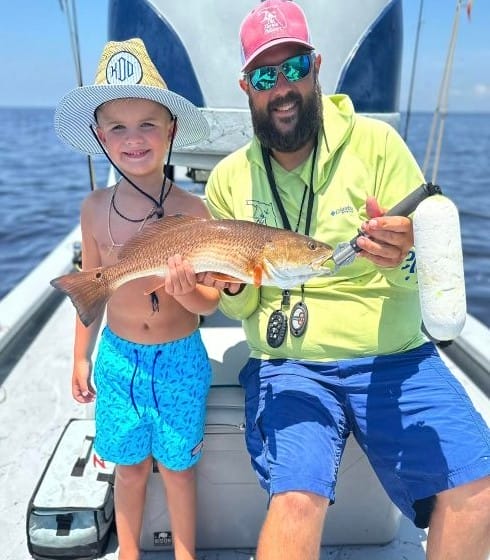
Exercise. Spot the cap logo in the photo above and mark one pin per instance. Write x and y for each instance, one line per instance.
(272, 20)
(123, 68)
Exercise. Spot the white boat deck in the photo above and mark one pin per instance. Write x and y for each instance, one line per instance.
(35, 404)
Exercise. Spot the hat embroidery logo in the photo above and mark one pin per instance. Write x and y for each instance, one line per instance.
(272, 20)
(123, 67)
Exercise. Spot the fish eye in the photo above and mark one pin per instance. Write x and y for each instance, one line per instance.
(312, 245)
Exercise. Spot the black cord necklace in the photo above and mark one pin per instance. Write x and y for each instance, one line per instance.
(277, 325)
(156, 210)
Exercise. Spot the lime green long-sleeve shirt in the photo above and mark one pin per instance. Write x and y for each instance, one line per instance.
(363, 310)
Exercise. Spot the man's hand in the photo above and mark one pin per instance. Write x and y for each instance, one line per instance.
(208, 279)
(388, 238)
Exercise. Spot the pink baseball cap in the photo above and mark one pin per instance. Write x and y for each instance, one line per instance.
(271, 23)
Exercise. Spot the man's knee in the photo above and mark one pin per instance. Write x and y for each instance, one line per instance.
(300, 505)
(470, 498)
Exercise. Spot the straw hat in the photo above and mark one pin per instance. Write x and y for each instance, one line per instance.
(125, 71)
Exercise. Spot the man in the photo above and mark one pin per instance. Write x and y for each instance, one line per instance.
(343, 353)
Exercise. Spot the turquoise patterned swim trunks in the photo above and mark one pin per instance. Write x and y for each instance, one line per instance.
(151, 400)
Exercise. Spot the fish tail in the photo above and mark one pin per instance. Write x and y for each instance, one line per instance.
(88, 290)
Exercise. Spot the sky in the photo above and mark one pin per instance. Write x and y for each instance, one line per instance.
(38, 66)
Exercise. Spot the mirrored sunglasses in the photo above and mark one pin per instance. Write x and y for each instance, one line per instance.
(293, 69)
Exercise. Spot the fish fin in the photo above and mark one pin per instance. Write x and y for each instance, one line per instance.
(154, 284)
(87, 290)
(153, 230)
(257, 275)
(226, 278)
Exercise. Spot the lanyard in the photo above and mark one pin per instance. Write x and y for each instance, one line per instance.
(277, 198)
(278, 320)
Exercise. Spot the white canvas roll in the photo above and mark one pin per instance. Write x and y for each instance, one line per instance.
(440, 270)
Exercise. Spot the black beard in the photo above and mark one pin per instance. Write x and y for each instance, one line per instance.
(309, 122)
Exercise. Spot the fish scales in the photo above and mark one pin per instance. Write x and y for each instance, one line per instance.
(235, 250)
(210, 245)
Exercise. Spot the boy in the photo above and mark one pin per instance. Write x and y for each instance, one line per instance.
(152, 372)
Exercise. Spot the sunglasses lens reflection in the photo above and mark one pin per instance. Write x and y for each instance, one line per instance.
(293, 69)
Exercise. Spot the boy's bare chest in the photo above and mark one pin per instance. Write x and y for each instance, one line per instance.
(114, 230)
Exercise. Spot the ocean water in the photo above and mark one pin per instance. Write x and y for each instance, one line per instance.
(42, 183)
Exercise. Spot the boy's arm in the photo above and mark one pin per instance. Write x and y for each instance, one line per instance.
(85, 337)
(181, 283)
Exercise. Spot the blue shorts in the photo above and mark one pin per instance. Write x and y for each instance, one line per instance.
(151, 400)
(408, 413)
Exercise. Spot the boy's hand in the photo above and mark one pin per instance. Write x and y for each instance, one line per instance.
(81, 388)
(389, 238)
(181, 278)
